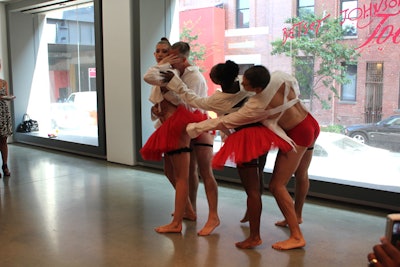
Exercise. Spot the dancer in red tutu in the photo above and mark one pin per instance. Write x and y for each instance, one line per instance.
(159, 95)
(170, 140)
(202, 145)
(247, 143)
(247, 146)
(170, 137)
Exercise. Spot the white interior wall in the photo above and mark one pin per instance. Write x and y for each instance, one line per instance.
(3, 43)
(118, 81)
(121, 88)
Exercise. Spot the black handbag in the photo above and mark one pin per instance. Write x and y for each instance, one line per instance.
(27, 125)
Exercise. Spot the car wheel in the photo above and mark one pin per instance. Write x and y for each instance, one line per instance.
(360, 137)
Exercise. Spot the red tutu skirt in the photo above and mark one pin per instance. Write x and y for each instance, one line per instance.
(247, 144)
(166, 137)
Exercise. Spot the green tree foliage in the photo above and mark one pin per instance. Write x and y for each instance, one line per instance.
(319, 40)
(197, 50)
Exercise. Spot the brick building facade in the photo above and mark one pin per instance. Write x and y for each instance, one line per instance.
(377, 39)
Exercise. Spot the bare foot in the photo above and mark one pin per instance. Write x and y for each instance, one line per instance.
(249, 243)
(169, 228)
(291, 243)
(245, 218)
(189, 217)
(209, 227)
(283, 223)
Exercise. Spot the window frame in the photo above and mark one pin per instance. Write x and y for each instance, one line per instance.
(240, 10)
(344, 87)
(304, 7)
(22, 87)
(352, 23)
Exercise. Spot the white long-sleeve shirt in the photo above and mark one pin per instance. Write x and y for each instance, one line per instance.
(196, 82)
(255, 109)
(153, 77)
(219, 102)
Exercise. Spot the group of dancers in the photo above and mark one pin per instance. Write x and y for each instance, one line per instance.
(256, 113)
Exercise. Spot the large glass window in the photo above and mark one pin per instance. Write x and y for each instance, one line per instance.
(72, 74)
(358, 139)
(62, 95)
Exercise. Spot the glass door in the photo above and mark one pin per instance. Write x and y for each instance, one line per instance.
(61, 88)
(72, 75)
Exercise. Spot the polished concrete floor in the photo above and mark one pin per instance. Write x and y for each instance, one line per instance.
(59, 209)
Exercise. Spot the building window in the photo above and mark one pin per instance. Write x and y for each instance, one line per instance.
(242, 14)
(374, 92)
(348, 92)
(244, 67)
(305, 7)
(349, 14)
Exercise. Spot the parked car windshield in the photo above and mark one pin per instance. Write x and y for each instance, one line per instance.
(389, 120)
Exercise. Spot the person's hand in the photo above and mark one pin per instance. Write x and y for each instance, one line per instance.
(170, 59)
(167, 76)
(157, 111)
(384, 255)
(164, 89)
(192, 131)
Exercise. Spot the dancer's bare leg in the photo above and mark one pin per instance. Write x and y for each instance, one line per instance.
(250, 180)
(169, 173)
(204, 156)
(190, 214)
(181, 169)
(301, 189)
(193, 180)
(261, 165)
(285, 166)
(169, 170)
